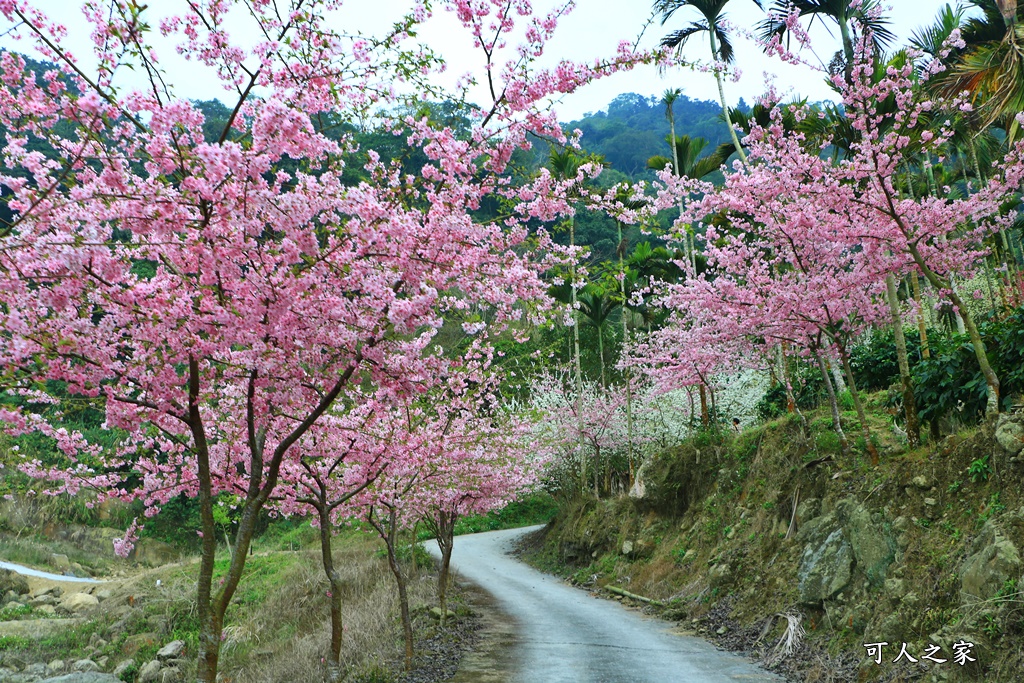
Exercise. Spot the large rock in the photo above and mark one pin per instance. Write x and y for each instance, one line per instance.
(825, 568)
(150, 672)
(79, 602)
(85, 666)
(153, 553)
(123, 667)
(873, 549)
(60, 562)
(1010, 433)
(721, 574)
(12, 581)
(994, 560)
(87, 677)
(171, 650)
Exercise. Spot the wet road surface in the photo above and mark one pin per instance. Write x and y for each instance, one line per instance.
(562, 634)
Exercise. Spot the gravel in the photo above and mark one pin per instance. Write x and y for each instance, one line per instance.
(439, 651)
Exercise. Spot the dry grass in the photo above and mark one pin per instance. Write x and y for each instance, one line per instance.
(277, 629)
(286, 639)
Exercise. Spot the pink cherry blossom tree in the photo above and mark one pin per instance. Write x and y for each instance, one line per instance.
(488, 461)
(335, 467)
(800, 245)
(786, 270)
(222, 297)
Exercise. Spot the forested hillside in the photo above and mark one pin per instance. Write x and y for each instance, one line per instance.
(633, 128)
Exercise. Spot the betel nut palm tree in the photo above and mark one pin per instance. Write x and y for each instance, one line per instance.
(712, 21)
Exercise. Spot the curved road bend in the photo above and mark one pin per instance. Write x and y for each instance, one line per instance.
(563, 635)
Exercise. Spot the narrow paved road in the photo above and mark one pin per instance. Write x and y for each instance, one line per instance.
(563, 634)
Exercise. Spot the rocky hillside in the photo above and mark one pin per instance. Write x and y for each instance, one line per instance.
(758, 538)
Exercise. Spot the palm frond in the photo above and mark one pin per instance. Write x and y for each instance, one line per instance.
(677, 39)
(863, 16)
(725, 50)
(993, 75)
(931, 38)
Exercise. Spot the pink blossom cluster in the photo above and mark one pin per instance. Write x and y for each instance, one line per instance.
(800, 241)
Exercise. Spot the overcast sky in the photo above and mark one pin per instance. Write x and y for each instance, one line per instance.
(591, 31)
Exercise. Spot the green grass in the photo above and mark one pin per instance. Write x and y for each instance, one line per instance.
(9, 643)
(10, 614)
(288, 535)
(70, 642)
(35, 551)
(538, 508)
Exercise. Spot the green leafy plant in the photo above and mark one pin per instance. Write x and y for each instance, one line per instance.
(979, 470)
(990, 626)
(875, 365)
(950, 383)
(994, 507)
(828, 442)
(130, 673)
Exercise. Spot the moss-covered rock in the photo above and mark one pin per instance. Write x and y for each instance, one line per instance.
(825, 567)
(994, 560)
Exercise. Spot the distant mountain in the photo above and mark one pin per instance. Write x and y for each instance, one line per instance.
(633, 128)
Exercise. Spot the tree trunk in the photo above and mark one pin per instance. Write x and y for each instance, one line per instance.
(980, 352)
(721, 96)
(210, 622)
(1011, 271)
(689, 397)
(922, 328)
(705, 414)
(446, 543)
(576, 358)
(625, 344)
(333, 596)
(390, 539)
(837, 374)
(847, 38)
(675, 169)
(858, 405)
(837, 423)
(791, 405)
(909, 404)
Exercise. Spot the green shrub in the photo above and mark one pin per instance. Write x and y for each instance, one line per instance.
(979, 470)
(828, 442)
(808, 390)
(950, 383)
(408, 553)
(874, 363)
